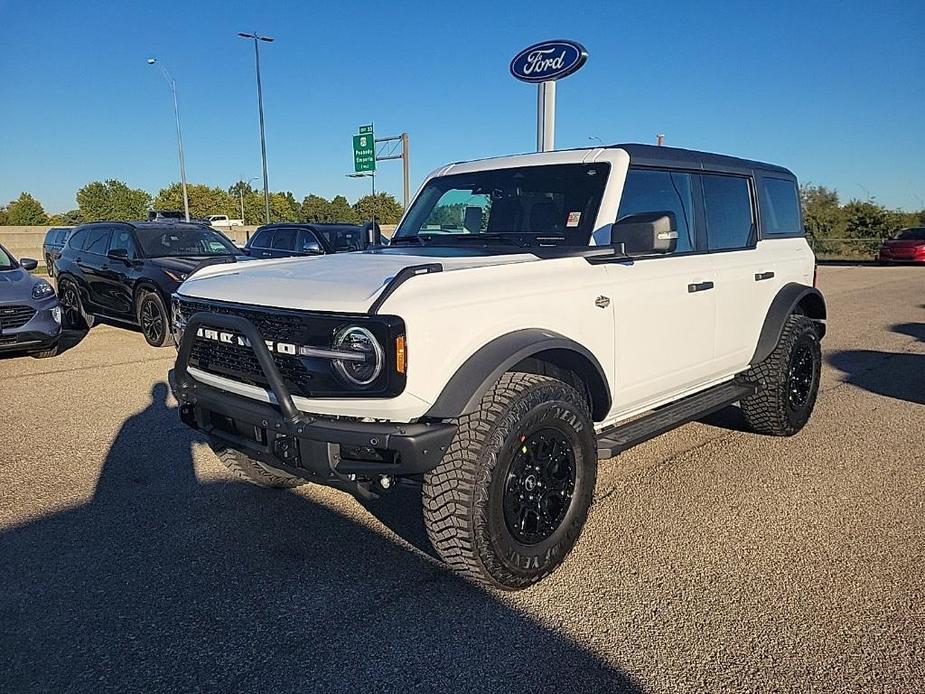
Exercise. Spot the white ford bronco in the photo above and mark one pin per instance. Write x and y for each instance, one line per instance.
(533, 314)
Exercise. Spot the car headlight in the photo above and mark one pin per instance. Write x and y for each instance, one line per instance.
(178, 322)
(358, 372)
(56, 314)
(42, 290)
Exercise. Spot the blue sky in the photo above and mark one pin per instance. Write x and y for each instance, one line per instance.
(833, 90)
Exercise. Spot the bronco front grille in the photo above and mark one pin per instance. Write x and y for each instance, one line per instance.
(15, 316)
(305, 376)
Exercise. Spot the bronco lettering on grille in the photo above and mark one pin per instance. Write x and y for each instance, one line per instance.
(232, 339)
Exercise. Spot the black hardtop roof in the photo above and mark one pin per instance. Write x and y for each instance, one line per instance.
(312, 225)
(159, 224)
(654, 155)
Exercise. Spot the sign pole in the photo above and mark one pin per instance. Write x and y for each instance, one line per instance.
(546, 116)
(406, 176)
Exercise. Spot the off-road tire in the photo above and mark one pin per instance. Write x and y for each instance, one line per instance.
(151, 301)
(464, 495)
(46, 353)
(771, 410)
(250, 470)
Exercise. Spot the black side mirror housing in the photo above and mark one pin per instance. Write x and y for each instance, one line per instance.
(118, 254)
(28, 264)
(647, 233)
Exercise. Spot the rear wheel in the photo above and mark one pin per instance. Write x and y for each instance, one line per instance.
(788, 381)
(253, 471)
(71, 310)
(509, 500)
(152, 316)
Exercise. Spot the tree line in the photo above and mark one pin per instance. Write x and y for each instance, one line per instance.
(825, 216)
(114, 200)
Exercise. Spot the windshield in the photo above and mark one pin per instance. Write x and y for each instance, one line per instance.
(6, 261)
(525, 206)
(911, 234)
(161, 243)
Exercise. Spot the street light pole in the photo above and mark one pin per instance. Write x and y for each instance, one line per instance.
(263, 140)
(176, 109)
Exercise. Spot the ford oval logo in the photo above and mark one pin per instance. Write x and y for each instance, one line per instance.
(547, 61)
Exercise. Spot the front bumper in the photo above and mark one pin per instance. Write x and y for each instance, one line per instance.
(40, 333)
(320, 449)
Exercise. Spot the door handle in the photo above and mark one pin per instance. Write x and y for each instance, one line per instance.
(763, 276)
(699, 287)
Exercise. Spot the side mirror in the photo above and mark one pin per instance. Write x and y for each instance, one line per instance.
(373, 233)
(28, 264)
(118, 254)
(647, 233)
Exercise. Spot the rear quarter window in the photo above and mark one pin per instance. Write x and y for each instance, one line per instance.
(780, 207)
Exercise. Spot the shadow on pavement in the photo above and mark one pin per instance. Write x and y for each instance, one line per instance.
(727, 418)
(899, 375)
(164, 583)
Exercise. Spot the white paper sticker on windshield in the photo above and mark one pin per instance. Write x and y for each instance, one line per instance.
(574, 218)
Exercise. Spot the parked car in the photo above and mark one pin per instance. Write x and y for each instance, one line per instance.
(165, 215)
(128, 271)
(283, 240)
(30, 318)
(533, 315)
(221, 220)
(907, 246)
(51, 247)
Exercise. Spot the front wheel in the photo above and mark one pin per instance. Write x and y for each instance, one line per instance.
(72, 312)
(510, 498)
(788, 381)
(152, 316)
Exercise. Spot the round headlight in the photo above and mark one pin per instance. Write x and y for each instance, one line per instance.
(358, 372)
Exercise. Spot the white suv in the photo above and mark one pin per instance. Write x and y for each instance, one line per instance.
(533, 315)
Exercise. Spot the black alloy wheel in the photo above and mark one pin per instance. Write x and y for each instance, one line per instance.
(70, 307)
(540, 485)
(152, 317)
(801, 376)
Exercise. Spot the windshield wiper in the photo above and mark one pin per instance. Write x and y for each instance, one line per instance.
(409, 239)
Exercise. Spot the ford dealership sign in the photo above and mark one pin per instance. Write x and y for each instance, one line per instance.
(548, 61)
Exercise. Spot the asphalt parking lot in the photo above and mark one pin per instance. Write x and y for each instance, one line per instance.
(713, 559)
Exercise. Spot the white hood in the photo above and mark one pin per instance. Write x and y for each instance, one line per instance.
(341, 282)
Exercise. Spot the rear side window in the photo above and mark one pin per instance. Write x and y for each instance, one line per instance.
(97, 241)
(285, 239)
(77, 239)
(780, 206)
(61, 236)
(660, 191)
(728, 211)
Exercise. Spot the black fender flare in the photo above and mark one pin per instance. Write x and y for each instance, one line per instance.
(791, 296)
(464, 390)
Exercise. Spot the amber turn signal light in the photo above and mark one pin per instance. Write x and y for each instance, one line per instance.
(400, 356)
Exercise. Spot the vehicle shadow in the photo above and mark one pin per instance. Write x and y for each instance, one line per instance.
(899, 375)
(163, 582)
(730, 418)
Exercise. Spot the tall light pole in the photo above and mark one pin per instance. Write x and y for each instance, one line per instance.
(176, 110)
(263, 140)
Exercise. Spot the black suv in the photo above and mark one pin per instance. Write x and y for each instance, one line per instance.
(127, 271)
(51, 247)
(283, 240)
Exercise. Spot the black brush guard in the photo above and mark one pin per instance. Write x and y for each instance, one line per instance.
(336, 452)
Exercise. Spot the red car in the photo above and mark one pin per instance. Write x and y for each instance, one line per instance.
(908, 246)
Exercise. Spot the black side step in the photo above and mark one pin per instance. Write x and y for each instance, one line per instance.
(621, 437)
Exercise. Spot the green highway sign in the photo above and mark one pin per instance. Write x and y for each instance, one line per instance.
(366, 129)
(364, 152)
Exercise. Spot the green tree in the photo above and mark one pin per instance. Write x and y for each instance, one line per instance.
(284, 208)
(67, 219)
(3, 221)
(203, 200)
(866, 220)
(111, 199)
(316, 209)
(341, 211)
(822, 214)
(385, 208)
(25, 211)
